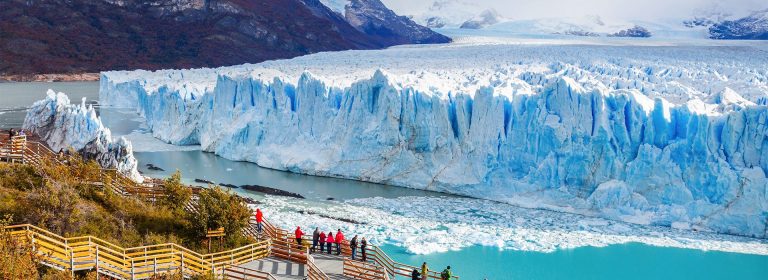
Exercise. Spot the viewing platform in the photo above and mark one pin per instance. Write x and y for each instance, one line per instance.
(274, 254)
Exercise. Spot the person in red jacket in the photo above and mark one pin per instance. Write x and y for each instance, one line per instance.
(339, 238)
(329, 241)
(298, 234)
(322, 241)
(259, 219)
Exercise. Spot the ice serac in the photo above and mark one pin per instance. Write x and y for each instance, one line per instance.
(63, 125)
(593, 138)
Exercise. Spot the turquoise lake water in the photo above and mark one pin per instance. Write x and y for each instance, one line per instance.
(627, 261)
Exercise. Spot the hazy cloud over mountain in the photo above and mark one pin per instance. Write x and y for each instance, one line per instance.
(629, 9)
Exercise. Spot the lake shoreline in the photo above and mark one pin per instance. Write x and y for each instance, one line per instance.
(70, 77)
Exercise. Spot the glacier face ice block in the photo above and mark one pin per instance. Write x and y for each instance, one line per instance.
(674, 136)
(63, 125)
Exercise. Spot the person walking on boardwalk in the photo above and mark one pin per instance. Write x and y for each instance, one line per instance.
(415, 275)
(363, 246)
(321, 239)
(353, 246)
(259, 219)
(424, 271)
(329, 241)
(339, 239)
(446, 274)
(315, 237)
(298, 233)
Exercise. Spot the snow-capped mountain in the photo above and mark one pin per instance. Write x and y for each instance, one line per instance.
(652, 135)
(486, 18)
(373, 18)
(752, 27)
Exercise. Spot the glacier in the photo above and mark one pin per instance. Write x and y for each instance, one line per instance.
(670, 135)
(63, 126)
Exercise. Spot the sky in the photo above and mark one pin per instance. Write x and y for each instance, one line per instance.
(626, 9)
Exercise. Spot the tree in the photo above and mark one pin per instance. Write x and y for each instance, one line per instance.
(177, 195)
(218, 208)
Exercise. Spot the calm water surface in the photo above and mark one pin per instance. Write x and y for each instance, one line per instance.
(628, 261)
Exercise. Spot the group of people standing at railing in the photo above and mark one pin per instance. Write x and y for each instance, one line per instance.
(325, 242)
(322, 241)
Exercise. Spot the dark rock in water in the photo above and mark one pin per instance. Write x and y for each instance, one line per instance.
(330, 198)
(272, 191)
(204, 181)
(153, 167)
(250, 200)
(332, 218)
(228, 186)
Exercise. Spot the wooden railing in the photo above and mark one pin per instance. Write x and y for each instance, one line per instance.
(313, 272)
(364, 270)
(242, 273)
(88, 252)
(284, 243)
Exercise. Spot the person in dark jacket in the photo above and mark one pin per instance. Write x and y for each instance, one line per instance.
(353, 246)
(315, 237)
(363, 246)
(415, 275)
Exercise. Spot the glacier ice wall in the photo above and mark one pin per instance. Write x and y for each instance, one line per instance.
(581, 138)
(63, 125)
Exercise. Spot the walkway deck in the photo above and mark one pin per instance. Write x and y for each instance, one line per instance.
(279, 268)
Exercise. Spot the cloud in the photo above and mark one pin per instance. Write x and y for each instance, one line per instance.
(625, 9)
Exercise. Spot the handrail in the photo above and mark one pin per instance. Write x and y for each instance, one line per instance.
(313, 272)
(363, 270)
(242, 273)
(89, 252)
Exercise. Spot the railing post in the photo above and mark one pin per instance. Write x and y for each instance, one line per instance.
(72, 261)
(97, 260)
(182, 263)
(133, 272)
(154, 266)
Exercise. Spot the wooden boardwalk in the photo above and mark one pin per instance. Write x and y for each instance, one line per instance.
(275, 256)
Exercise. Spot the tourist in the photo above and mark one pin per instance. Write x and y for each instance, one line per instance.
(298, 233)
(446, 274)
(259, 219)
(21, 132)
(315, 237)
(415, 275)
(339, 239)
(353, 246)
(363, 245)
(424, 271)
(322, 241)
(330, 241)
(11, 133)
